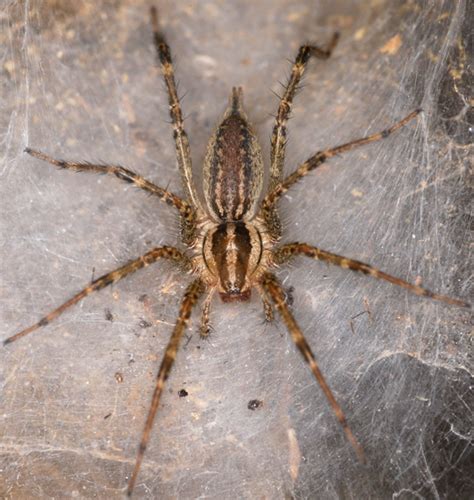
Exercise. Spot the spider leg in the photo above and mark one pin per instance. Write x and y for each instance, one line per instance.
(181, 139)
(279, 135)
(191, 296)
(105, 280)
(267, 305)
(321, 156)
(123, 174)
(205, 327)
(286, 252)
(276, 292)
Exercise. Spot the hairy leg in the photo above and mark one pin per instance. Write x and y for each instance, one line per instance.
(191, 296)
(123, 174)
(284, 253)
(105, 280)
(181, 139)
(267, 305)
(279, 135)
(276, 292)
(205, 327)
(320, 157)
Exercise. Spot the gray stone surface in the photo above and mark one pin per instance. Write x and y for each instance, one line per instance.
(79, 81)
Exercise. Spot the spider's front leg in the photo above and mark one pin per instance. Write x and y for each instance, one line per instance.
(274, 289)
(205, 326)
(191, 297)
(286, 252)
(150, 257)
(267, 305)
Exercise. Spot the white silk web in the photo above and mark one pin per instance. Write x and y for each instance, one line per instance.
(79, 81)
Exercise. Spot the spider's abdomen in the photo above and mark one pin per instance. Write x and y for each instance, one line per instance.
(233, 167)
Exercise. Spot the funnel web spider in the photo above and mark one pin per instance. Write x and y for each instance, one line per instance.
(231, 241)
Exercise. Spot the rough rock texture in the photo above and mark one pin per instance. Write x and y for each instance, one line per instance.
(79, 80)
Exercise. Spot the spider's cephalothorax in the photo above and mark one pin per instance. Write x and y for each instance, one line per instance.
(230, 246)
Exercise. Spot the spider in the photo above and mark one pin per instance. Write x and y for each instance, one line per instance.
(231, 239)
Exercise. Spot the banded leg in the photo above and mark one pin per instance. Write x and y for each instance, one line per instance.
(105, 280)
(205, 326)
(191, 296)
(276, 292)
(181, 139)
(286, 252)
(321, 156)
(123, 174)
(279, 135)
(267, 305)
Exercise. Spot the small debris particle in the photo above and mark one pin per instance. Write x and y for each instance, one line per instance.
(295, 454)
(289, 298)
(340, 22)
(365, 311)
(9, 67)
(456, 74)
(432, 56)
(108, 315)
(182, 393)
(144, 324)
(443, 16)
(205, 60)
(295, 16)
(143, 297)
(119, 377)
(107, 416)
(360, 33)
(254, 404)
(392, 46)
(356, 193)
(127, 106)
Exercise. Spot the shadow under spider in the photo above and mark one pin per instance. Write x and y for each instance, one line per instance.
(231, 241)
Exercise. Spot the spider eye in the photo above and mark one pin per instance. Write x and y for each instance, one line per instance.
(231, 287)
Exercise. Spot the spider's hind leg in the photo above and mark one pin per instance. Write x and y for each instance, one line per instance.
(121, 173)
(279, 134)
(183, 153)
(315, 161)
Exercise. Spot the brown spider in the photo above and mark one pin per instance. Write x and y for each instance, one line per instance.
(231, 240)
